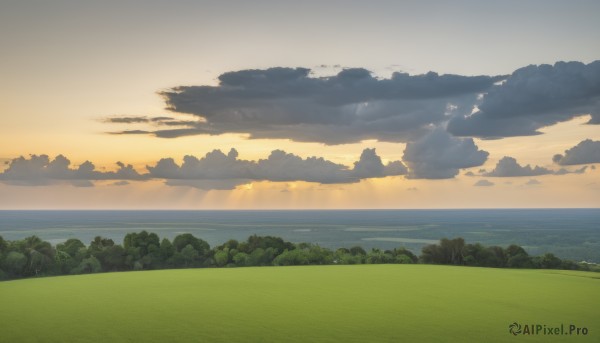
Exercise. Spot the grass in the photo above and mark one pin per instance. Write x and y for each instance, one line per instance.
(366, 303)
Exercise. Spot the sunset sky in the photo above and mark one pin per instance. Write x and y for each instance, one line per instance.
(468, 104)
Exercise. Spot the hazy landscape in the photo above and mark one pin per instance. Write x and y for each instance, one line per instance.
(568, 233)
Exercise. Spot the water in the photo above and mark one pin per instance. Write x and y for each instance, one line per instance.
(568, 233)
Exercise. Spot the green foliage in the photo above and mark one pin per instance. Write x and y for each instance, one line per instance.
(264, 242)
(241, 259)
(3, 246)
(187, 257)
(71, 246)
(100, 243)
(14, 263)
(357, 251)
(144, 241)
(166, 252)
(144, 251)
(296, 257)
(182, 241)
(88, 265)
(221, 257)
(376, 256)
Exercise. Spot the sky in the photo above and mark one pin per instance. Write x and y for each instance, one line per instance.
(294, 105)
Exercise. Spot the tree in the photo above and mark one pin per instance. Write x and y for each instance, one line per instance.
(166, 251)
(241, 259)
(221, 257)
(71, 246)
(183, 240)
(376, 256)
(431, 254)
(344, 258)
(449, 251)
(39, 253)
(452, 250)
(294, 257)
(549, 261)
(143, 240)
(356, 250)
(264, 242)
(15, 262)
(404, 252)
(514, 250)
(188, 255)
(88, 265)
(494, 257)
(403, 259)
(3, 246)
(230, 244)
(113, 258)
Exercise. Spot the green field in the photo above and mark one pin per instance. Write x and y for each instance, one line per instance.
(366, 303)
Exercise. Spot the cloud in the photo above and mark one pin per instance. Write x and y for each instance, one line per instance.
(439, 155)
(563, 171)
(347, 107)
(370, 165)
(534, 97)
(120, 183)
(215, 165)
(532, 182)
(131, 132)
(216, 170)
(509, 167)
(127, 120)
(40, 170)
(222, 185)
(587, 151)
(483, 183)
(279, 166)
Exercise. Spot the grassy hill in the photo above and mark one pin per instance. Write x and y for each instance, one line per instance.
(366, 303)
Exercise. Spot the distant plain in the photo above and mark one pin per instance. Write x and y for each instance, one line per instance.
(567, 233)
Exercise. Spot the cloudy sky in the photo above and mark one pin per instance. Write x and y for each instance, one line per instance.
(313, 104)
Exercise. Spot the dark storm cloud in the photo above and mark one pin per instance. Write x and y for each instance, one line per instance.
(348, 107)
(438, 155)
(534, 97)
(587, 151)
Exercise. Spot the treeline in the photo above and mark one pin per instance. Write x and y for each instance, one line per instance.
(146, 251)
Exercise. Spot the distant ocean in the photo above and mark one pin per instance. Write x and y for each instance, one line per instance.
(568, 233)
